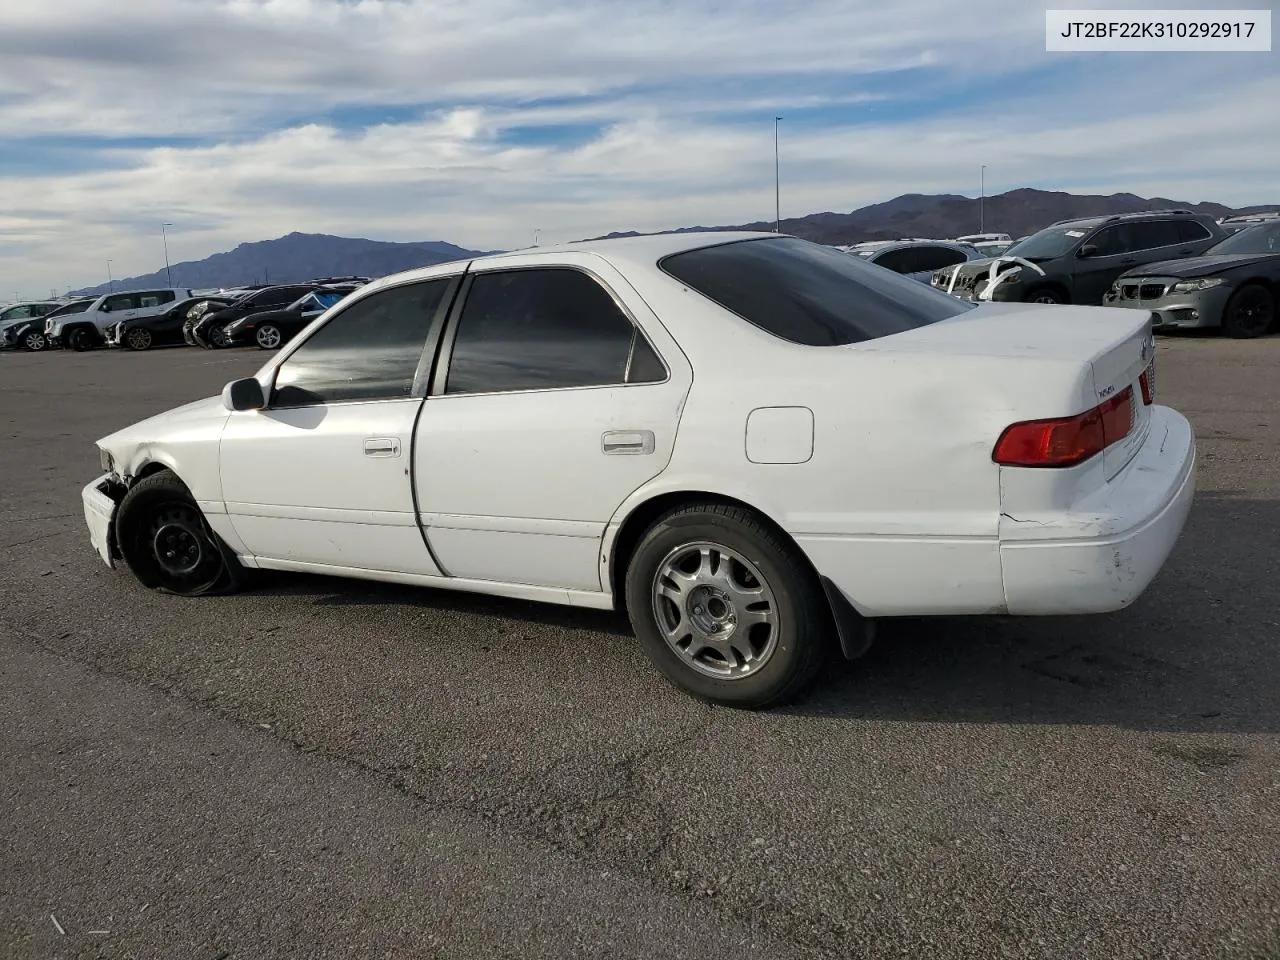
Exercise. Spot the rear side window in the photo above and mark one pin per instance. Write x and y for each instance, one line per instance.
(1149, 234)
(810, 294)
(935, 258)
(121, 301)
(899, 261)
(1190, 231)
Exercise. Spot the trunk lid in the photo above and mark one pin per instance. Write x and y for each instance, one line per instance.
(1111, 352)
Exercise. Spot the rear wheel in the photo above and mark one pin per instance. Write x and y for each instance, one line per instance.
(726, 607)
(268, 336)
(34, 340)
(1249, 313)
(138, 338)
(168, 544)
(80, 340)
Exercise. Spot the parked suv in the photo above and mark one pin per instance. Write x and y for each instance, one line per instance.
(1076, 261)
(86, 331)
(28, 334)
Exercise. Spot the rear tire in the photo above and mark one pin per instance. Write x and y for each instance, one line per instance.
(167, 543)
(726, 607)
(81, 340)
(138, 338)
(1249, 313)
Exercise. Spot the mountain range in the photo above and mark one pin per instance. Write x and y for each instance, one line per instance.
(302, 256)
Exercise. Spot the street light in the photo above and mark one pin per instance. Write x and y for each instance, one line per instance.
(982, 197)
(777, 181)
(165, 237)
(111, 284)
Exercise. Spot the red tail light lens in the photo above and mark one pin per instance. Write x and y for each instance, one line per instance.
(1067, 441)
(1148, 383)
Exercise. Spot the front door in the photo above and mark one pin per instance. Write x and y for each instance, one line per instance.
(558, 394)
(323, 475)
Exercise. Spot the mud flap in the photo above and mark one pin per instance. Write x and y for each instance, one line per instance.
(855, 631)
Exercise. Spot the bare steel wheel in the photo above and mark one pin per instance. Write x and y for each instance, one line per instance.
(138, 338)
(715, 609)
(726, 605)
(168, 544)
(268, 336)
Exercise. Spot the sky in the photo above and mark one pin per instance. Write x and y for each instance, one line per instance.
(480, 122)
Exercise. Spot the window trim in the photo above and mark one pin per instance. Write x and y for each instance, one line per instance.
(440, 373)
(421, 374)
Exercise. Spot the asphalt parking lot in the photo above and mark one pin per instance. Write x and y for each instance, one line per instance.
(325, 768)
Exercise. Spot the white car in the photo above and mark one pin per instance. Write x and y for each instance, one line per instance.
(756, 444)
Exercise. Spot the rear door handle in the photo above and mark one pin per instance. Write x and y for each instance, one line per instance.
(627, 441)
(382, 447)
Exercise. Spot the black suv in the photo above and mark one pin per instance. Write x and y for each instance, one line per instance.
(1076, 261)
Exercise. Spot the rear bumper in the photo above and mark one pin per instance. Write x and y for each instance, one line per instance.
(1105, 553)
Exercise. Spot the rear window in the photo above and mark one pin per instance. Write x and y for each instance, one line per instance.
(810, 294)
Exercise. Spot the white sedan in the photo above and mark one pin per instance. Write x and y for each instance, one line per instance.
(755, 444)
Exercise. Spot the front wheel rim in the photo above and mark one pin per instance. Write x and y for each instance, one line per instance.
(715, 610)
(269, 338)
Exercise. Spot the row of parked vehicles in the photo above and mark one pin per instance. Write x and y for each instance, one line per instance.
(264, 316)
(1185, 268)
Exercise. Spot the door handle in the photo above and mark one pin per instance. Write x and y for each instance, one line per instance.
(382, 447)
(627, 441)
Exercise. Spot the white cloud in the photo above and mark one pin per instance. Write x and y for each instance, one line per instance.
(662, 79)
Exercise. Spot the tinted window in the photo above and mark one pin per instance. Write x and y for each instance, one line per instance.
(17, 313)
(1191, 230)
(541, 329)
(806, 293)
(80, 307)
(155, 299)
(370, 351)
(1262, 238)
(935, 258)
(1049, 243)
(1113, 240)
(121, 301)
(899, 261)
(1149, 234)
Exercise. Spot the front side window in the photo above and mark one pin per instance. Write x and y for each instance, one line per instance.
(809, 294)
(121, 301)
(544, 329)
(369, 351)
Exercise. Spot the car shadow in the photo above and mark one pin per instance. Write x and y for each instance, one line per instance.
(1198, 652)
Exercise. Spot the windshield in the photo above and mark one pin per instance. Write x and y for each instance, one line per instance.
(1048, 244)
(1262, 238)
(808, 293)
(327, 300)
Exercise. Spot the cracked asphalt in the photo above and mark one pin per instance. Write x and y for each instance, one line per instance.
(322, 768)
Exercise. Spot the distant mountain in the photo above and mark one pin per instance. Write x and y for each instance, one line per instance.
(1017, 213)
(298, 256)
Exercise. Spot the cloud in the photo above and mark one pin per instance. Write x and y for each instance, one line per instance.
(246, 119)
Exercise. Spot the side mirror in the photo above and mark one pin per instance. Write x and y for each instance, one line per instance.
(1088, 250)
(105, 308)
(243, 394)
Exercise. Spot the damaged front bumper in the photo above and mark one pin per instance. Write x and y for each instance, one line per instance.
(101, 500)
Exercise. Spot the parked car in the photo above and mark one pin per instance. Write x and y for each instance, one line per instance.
(1076, 261)
(588, 425)
(977, 238)
(1238, 223)
(19, 320)
(143, 333)
(992, 248)
(271, 329)
(88, 329)
(1233, 286)
(209, 330)
(918, 259)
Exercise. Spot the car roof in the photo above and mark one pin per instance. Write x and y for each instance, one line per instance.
(1131, 215)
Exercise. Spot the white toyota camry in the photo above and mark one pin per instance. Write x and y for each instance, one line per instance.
(755, 444)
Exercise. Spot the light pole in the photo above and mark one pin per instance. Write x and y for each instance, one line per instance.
(982, 197)
(111, 284)
(165, 237)
(777, 181)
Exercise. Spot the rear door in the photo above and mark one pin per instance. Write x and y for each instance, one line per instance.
(557, 395)
(152, 303)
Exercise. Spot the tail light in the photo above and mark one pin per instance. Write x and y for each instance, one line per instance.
(1148, 383)
(1066, 441)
